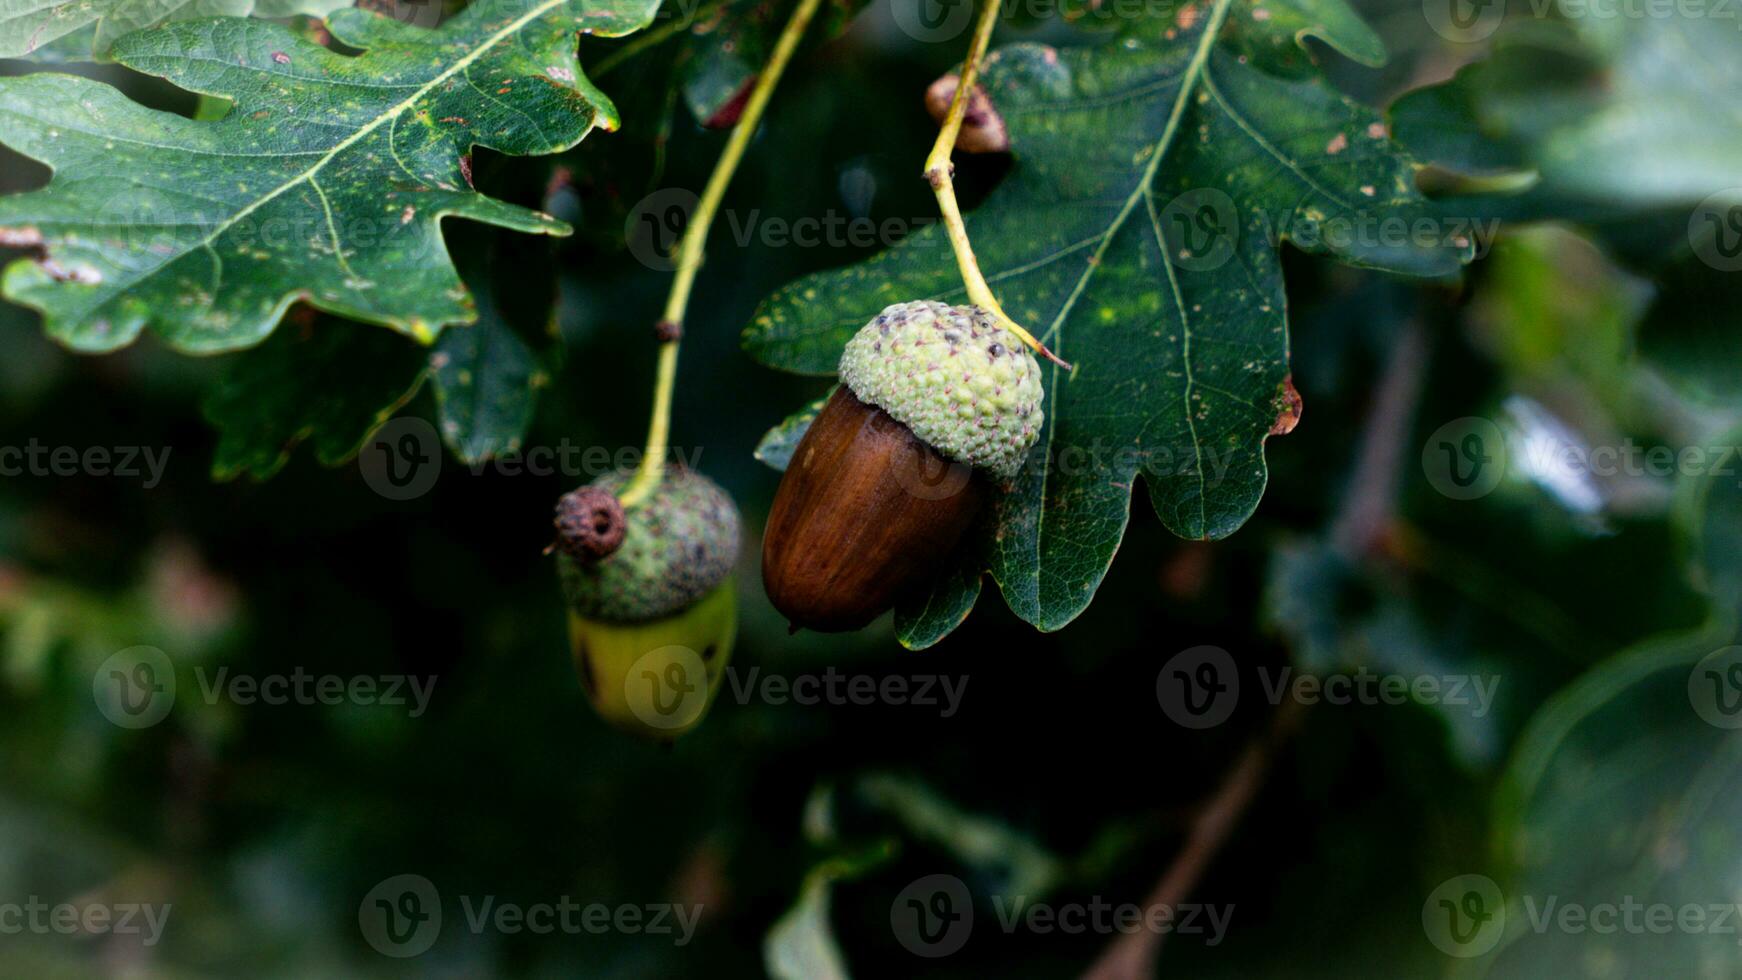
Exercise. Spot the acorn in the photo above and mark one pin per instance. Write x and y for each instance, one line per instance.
(652, 610)
(938, 405)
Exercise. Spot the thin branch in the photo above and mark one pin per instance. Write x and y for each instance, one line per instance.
(940, 173)
(1132, 956)
(690, 253)
(1371, 495)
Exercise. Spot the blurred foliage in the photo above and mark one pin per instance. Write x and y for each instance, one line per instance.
(1593, 599)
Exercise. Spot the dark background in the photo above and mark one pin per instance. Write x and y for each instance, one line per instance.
(265, 826)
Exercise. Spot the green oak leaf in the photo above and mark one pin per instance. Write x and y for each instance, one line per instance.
(1272, 30)
(485, 377)
(327, 383)
(1614, 114)
(327, 182)
(85, 30)
(1155, 178)
(779, 443)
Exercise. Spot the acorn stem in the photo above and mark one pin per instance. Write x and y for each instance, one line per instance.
(690, 250)
(940, 173)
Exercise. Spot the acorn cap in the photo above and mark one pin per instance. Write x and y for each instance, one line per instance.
(678, 545)
(964, 385)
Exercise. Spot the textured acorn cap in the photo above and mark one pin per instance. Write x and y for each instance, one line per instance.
(680, 542)
(964, 385)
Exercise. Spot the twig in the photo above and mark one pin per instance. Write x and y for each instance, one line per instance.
(940, 173)
(1132, 956)
(1372, 490)
(690, 253)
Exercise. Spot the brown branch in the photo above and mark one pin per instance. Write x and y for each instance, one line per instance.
(1370, 498)
(1133, 955)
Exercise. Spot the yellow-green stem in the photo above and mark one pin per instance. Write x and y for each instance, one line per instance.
(690, 253)
(940, 173)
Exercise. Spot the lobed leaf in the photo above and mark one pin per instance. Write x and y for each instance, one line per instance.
(1155, 180)
(327, 182)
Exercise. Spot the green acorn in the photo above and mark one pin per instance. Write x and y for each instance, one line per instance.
(937, 404)
(652, 610)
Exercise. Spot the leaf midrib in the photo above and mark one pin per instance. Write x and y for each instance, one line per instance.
(1188, 84)
(466, 61)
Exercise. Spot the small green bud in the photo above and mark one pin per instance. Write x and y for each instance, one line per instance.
(678, 544)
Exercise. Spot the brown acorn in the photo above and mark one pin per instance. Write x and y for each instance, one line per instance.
(937, 405)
